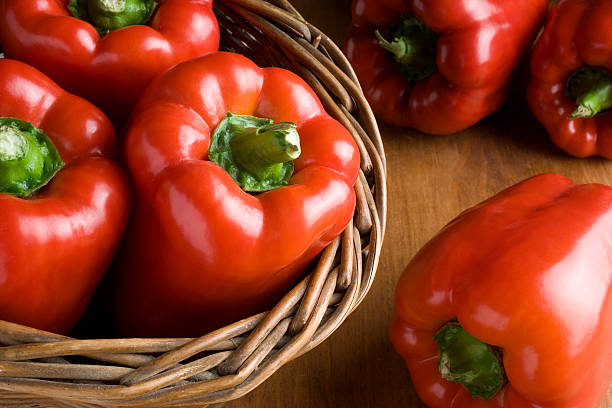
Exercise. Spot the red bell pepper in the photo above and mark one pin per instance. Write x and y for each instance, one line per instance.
(439, 66)
(58, 239)
(201, 251)
(571, 85)
(517, 292)
(112, 69)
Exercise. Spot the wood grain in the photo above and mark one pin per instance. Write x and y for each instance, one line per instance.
(431, 180)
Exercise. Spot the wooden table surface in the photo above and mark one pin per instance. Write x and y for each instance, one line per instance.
(430, 180)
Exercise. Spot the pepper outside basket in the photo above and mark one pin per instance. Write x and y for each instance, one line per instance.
(38, 369)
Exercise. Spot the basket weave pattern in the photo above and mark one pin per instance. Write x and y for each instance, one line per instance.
(41, 369)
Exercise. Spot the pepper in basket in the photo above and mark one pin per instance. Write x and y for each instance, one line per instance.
(241, 178)
(63, 203)
(107, 51)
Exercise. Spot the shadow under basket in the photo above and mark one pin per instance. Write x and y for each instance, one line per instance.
(41, 369)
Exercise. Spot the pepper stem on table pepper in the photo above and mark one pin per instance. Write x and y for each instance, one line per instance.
(466, 360)
(256, 152)
(109, 15)
(413, 47)
(591, 90)
(28, 159)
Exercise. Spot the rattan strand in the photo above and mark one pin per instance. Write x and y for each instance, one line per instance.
(39, 368)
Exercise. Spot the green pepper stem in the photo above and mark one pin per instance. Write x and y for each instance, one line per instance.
(109, 6)
(257, 153)
(28, 159)
(469, 361)
(13, 144)
(402, 49)
(257, 149)
(109, 15)
(591, 90)
(412, 46)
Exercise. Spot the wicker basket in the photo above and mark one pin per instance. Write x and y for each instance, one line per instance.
(40, 369)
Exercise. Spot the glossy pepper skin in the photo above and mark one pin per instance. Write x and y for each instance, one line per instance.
(577, 34)
(113, 70)
(479, 44)
(201, 252)
(56, 244)
(529, 271)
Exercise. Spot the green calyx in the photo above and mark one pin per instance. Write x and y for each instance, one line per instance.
(109, 15)
(412, 46)
(28, 159)
(591, 90)
(466, 360)
(256, 152)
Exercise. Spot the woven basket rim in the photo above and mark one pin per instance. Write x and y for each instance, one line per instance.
(229, 362)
